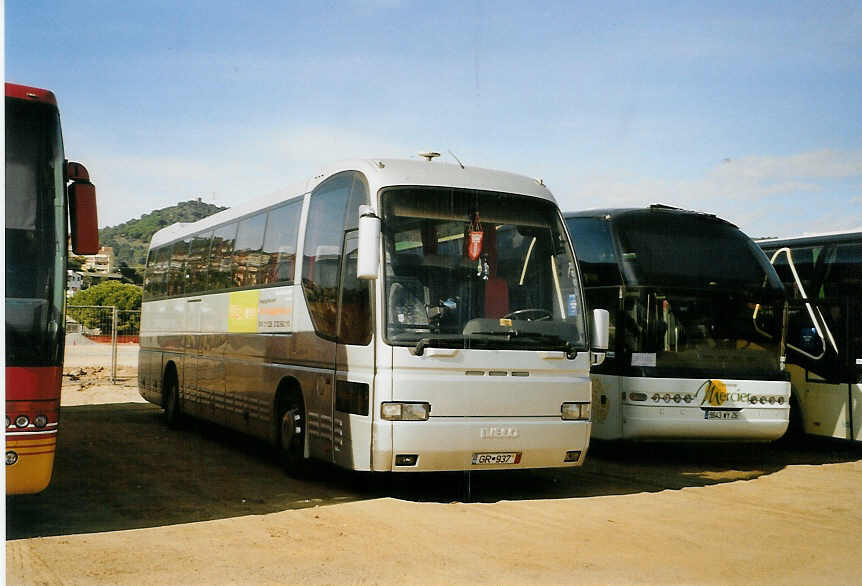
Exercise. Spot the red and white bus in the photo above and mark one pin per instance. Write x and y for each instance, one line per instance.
(40, 211)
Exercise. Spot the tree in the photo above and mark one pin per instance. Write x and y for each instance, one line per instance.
(130, 274)
(122, 295)
(75, 262)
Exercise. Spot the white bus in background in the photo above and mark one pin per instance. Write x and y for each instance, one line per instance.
(823, 277)
(696, 312)
(390, 315)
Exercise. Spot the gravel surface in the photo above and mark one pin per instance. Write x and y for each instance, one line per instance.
(135, 502)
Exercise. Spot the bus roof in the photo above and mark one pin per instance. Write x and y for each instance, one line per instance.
(33, 94)
(851, 235)
(652, 209)
(380, 173)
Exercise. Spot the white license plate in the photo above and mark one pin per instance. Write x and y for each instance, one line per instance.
(722, 415)
(497, 458)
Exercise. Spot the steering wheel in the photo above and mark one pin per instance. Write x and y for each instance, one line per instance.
(530, 314)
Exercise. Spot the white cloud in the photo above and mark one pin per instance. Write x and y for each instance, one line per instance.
(815, 164)
(762, 194)
(128, 186)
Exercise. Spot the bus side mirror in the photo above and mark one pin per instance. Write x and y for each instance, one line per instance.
(368, 263)
(82, 215)
(599, 334)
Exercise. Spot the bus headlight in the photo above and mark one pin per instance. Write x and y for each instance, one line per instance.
(22, 421)
(40, 420)
(575, 411)
(405, 411)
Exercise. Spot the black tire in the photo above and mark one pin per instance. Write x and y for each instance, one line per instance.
(795, 429)
(171, 400)
(291, 434)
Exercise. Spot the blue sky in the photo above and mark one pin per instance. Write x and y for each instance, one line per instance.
(753, 113)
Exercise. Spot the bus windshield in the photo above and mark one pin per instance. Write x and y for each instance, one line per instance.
(478, 269)
(35, 234)
(690, 251)
(684, 332)
(700, 296)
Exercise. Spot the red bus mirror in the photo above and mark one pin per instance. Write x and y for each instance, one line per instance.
(76, 172)
(82, 214)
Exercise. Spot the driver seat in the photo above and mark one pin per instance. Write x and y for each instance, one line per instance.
(496, 297)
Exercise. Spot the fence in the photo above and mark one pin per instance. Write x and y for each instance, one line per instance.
(97, 333)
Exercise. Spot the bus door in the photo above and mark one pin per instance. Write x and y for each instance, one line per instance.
(842, 281)
(354, 364)
(824, 394)
(829, 351)
(855, 367)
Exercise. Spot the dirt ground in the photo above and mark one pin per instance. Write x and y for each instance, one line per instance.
(134, 502)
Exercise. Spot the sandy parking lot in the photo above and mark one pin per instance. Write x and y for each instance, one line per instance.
(133, 502)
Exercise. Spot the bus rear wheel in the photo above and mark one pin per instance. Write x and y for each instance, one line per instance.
(171, 400)
(292, 436)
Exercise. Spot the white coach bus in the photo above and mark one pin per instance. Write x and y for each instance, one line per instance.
(390, 315)
(822, 274)
(697, 325)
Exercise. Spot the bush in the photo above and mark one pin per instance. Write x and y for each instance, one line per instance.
(122, 295)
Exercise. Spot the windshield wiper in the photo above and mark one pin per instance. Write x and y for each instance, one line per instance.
(567, 345)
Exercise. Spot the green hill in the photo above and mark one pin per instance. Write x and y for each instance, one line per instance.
(131, 239)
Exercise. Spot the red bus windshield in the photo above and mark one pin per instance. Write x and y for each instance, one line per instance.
(35, 234)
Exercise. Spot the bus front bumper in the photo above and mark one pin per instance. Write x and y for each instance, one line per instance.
(463, 443)
(29, 462)
(694, 423)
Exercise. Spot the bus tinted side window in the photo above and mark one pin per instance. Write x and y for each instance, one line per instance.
(247, 251)
(177, 268)
(150, 275)
(196, 266)
(805, 260)
(160, 271)
(354, 323)
(279, 246)
(221, 258)
(322, 251)
(843, 274)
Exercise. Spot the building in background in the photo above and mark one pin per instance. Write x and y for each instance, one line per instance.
(74, 282)
(104, 262)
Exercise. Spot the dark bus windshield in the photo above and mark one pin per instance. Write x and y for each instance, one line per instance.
(35, 234)
(689, 295)
(467, 268)
(689, 250)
